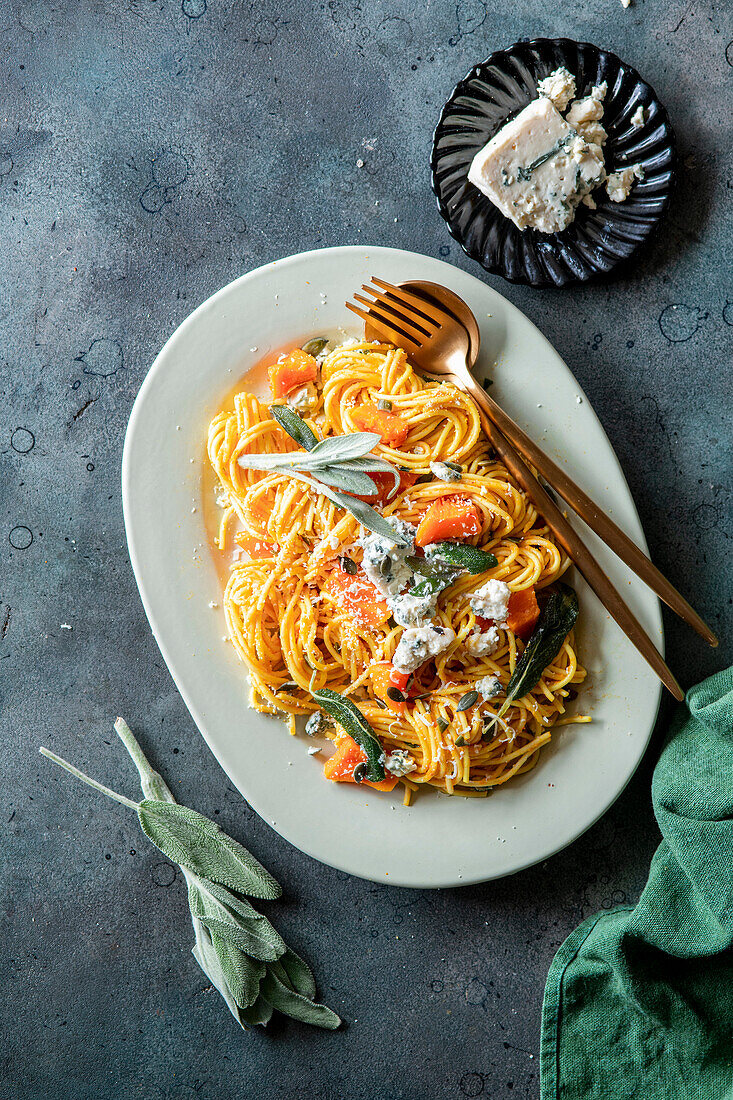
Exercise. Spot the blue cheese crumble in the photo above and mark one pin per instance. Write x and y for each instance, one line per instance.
(620, 183)
(304, 399)
(409, 610)
(491, 601)
(384, 561)
(558, 87)
(418, 644)
(482, 644)
(488, 687)
(399, 763)
(638, 119)
(317, 724)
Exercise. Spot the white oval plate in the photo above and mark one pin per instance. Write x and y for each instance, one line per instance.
(439, 841)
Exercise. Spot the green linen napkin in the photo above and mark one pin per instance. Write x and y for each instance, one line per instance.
(639, 1001)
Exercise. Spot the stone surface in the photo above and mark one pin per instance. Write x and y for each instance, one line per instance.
(151, 151)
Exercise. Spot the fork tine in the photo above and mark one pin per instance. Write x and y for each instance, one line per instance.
(397, 320)
(406, 298)
(403, 311)
(389, 332)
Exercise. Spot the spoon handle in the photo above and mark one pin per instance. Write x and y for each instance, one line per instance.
(596, 519)
(571, 542)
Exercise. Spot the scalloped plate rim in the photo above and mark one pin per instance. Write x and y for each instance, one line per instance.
(497, 269)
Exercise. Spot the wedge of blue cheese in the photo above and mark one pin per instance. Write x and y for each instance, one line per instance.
(537, 169)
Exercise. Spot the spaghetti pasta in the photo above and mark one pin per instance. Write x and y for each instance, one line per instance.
(291, 623)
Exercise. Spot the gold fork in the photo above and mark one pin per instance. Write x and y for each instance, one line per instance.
(439, 345)
(447, 307)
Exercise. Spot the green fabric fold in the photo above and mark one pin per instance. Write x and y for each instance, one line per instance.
(639, 1001)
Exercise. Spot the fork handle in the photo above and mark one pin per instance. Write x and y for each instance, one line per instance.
(589, 511)
(572, 545)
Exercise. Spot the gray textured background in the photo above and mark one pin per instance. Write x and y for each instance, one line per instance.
(150, 152)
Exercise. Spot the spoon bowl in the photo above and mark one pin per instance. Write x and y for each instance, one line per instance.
(437, 295)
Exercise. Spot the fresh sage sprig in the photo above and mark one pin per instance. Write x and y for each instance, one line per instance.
(236, 947)
(362, 511)
(348, 715)
(556, 620)
(338, 462)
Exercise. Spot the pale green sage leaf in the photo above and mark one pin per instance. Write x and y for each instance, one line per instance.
(191, 840)
(258, 1013)
(293, 1004)
(242, 973)
(252, 934)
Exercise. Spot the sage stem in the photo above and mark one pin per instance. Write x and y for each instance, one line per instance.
(151, 781)
(88, 779)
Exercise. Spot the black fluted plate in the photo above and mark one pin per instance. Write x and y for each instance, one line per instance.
(597, 240)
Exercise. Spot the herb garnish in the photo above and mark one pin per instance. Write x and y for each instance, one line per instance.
(348, 715)
(556, 620)
(445, 563)
(236, 947)
(359, 509)
(294, 425)
(464, 556)
(342, 461)
(437, 576)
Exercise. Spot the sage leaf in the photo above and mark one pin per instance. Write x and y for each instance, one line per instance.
(234, 943)
(251, 933)
(207, 957)
(339, 447)
(152, 782)
(191, 840)
(294, 1004)
(315, 346)
(464, 556)
(438, 575)
(299, 973)
(370, 464)
(258, 1013)
(348, 715)
(294, 425)
(430, 586)
(556, 620)
(351, 480)
(342, 461)
(361, 511)
(243, 975)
